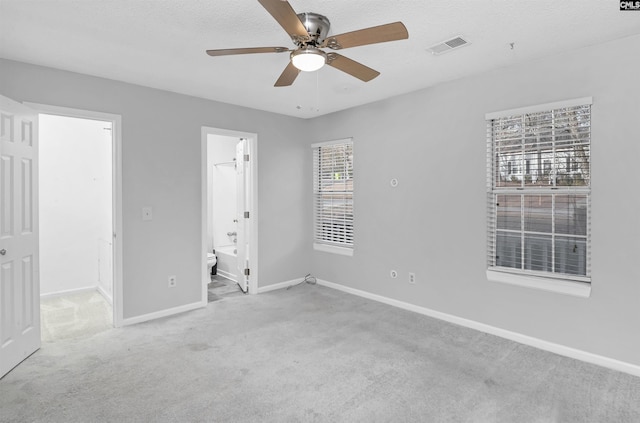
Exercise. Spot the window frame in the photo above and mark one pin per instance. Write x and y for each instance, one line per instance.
(343, 248)
(571, 284)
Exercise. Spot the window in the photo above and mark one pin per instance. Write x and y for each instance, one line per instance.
(538, 191)
(333, 196)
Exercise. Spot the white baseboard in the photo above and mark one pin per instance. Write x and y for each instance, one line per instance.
(68, 292)
(513, 336)
(106, 296)
(163, 313)
(227, 275)
(279, 285)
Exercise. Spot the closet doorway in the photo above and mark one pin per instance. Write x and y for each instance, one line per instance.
(78, 195)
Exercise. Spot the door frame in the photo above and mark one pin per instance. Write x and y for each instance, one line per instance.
(116, 195)
(252, 142)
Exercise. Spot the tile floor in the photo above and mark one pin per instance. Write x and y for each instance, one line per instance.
(221, 287)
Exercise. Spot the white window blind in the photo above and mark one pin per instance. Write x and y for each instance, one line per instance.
(333, 193)
(538, 191)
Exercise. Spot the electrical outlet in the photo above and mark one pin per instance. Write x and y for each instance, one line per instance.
(412, 278)
(172, 281)
(393, 274)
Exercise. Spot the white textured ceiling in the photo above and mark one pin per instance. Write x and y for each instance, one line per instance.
(162, 43)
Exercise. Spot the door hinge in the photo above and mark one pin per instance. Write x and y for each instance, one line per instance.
(246, 272)
(246, 215)
(246, 157)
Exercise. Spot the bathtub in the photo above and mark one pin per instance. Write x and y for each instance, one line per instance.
(227, 262)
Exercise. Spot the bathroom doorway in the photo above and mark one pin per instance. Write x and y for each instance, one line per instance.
(229, 210)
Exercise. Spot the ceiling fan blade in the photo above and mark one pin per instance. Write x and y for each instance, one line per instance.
(230, 51)
(353, 68)
(288, 76)
(375, 34)
(282, 12)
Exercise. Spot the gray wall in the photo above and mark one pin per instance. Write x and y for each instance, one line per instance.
(161, 169)
(433, 223)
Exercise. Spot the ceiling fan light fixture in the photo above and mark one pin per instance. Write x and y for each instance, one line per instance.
(308, 59)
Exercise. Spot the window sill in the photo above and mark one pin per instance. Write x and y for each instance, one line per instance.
(576, 289)
(333, 249)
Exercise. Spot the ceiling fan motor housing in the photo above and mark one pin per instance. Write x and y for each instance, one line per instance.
(316, 25)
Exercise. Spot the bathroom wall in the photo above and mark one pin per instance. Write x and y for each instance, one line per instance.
(75, 204)
(222, 189)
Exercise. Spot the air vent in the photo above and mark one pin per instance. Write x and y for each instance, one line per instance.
(448, 45)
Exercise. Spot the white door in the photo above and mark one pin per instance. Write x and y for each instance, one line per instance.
(19, 281)
(242, 207)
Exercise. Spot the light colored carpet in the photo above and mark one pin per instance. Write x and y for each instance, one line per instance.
(74, 316)
(308, 354)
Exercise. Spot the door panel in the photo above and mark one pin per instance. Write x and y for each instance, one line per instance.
(27, 195)
(19, 281)
(27, 295)
(6, 194)
(6, 301)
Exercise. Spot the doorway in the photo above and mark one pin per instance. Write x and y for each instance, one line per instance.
(79, 215)
(229, 209)
(20, 333)
(76, 226)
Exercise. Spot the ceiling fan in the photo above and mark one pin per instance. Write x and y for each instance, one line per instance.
(308, 31)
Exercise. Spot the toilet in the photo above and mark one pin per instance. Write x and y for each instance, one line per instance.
(212, 263)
